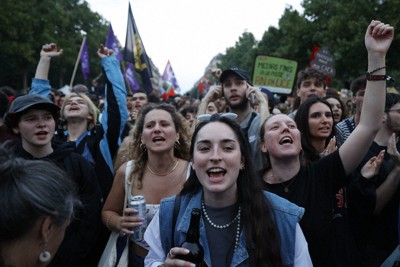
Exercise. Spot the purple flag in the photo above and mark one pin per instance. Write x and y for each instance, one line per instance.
(85, 61)
(169, 76)
(131, 78)
(112, 42)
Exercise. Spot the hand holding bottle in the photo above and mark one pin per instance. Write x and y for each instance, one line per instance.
(174, 257)
(190, 253)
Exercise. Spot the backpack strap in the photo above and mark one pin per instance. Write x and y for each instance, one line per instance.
(177, 207)
(246, 130)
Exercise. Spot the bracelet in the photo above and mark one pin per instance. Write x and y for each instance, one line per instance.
(108, 222)
(375, 70)
(371, 77)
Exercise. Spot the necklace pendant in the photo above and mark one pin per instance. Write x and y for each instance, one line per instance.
(286, 189)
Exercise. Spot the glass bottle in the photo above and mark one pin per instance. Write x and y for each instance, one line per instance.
(192, 242)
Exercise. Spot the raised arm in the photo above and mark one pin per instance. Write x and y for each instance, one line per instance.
(40, 84)
(263, 103)
(115, 113)
(378, 38)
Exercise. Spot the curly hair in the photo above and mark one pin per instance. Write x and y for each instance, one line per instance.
(139, 155)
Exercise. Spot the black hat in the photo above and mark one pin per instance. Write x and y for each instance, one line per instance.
(236, 71)
(23, 103)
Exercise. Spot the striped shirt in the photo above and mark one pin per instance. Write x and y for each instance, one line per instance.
(344, 129)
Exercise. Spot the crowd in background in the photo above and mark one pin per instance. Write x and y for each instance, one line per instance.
(330, 165)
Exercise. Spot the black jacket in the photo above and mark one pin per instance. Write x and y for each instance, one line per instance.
(81, 236)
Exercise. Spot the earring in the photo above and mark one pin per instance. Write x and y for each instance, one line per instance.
(143, 147)
(177, 144)
(45, 255)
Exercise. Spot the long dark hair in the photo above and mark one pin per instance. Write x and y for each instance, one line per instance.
(301, 119)
(258, 223)
(342, 106)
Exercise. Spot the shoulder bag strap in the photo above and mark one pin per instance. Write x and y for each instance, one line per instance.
(177, 207)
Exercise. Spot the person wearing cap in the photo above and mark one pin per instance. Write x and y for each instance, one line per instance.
(33, 118)
(310, 82)
(238, 91)
(98, 143)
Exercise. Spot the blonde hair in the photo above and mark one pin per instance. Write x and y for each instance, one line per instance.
(91, 108)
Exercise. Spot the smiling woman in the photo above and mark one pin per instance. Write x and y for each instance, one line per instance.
(314, 185)
(240, 223)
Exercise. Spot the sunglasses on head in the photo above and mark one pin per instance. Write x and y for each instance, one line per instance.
(216, 116)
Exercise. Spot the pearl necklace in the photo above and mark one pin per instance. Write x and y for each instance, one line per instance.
(237, 217)
(162, 174)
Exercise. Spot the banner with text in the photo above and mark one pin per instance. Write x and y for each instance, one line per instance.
(276, 74)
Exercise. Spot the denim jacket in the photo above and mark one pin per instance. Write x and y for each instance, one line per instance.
(286, 214)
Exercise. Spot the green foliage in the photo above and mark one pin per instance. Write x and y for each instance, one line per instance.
(242, 55)
(26, 25)
(338, 25)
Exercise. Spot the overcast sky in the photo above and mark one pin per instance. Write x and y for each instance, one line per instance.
(189, 33)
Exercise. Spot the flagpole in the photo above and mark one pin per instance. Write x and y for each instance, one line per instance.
(77, 62)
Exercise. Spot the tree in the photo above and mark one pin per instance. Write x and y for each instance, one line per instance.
(26, 25)
(242, 54)
(338, 25)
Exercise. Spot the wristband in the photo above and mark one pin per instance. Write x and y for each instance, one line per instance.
(371, 77)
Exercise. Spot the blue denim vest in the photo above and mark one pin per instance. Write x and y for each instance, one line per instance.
(286, 216)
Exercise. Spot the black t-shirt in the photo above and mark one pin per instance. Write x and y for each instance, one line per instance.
(314, 188)
(221, 242)
(378, 231)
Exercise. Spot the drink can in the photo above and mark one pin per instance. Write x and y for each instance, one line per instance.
(138, 203)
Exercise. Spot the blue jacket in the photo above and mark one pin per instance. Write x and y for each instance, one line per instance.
(286, 214)
(103, 141)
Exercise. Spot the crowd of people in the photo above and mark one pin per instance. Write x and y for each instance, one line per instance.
(313, 185)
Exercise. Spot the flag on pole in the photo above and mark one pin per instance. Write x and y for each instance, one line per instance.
(85, 61)
(112, 42)
(168, 90)
(131, 78)
(169, 76)
(136, 54)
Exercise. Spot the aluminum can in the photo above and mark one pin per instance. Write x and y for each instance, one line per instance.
(138, 203)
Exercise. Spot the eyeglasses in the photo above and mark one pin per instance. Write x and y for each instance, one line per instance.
(216, 116)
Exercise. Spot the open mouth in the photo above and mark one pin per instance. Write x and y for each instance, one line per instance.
(326, 128)
(158, 139)
(286, 140)
(216, 172)
(41, 133)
